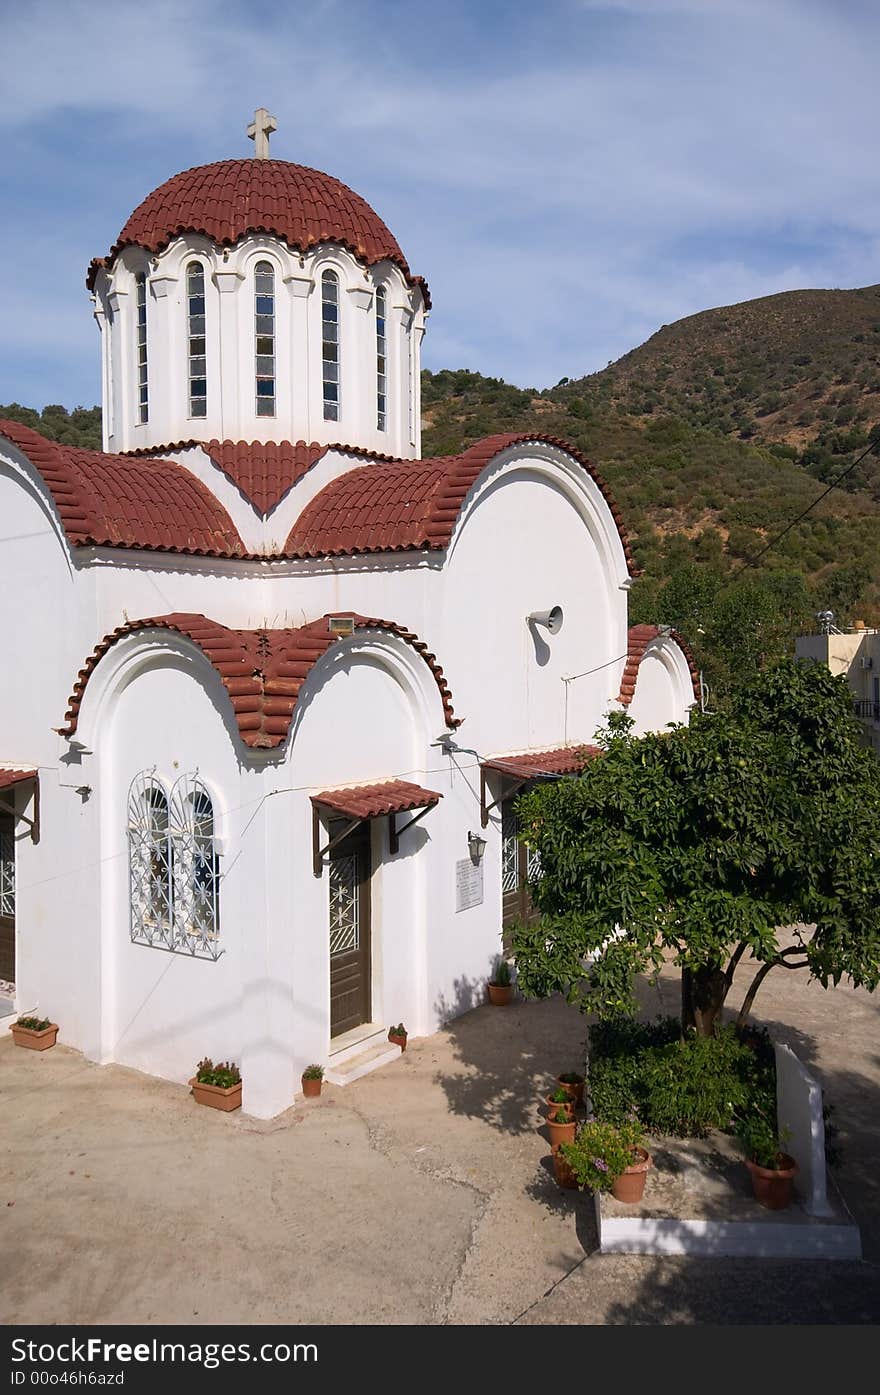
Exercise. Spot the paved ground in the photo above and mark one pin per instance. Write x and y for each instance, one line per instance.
(420, 1194)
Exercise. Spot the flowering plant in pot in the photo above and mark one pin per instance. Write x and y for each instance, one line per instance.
(560, 1100)
(312, 1080)
(573, 1084)
(218, 1086)
(610, 1158)
(561, 1127)
(500, 984)
(772, 1169)
(36, 1033)
(397, 1035)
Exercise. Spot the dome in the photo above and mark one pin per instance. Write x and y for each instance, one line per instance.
(232, 198)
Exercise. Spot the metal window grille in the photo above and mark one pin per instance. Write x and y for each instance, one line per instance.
(330, 349)
(141, 325)
(381, 361)
(264, 338)
(174, 872)
(534, 870)
(344, 924)
(7, 874)
(509, 851)
(195, 326)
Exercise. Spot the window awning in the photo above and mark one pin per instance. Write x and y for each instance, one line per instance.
(532, 765)
(359, 802)
(9, 778)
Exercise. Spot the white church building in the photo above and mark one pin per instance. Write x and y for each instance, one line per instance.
(272, 681)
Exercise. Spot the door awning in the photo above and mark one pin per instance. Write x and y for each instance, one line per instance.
(9, 778)
(359, 802)
(532, 765)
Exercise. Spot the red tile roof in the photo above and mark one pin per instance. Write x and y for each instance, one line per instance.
(261, 670)
(529, 765)
(120, 501)
(232, 198)
(401, 505)
(374, 801)
(14, 777)
(640, 637)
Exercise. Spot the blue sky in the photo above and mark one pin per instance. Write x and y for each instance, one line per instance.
(568, 175)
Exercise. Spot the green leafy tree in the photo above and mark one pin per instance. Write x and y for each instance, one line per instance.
(700, 843)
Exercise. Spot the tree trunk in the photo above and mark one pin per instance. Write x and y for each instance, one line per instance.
(703, 992)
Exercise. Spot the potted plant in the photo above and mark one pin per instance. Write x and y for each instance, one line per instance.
(398, 1036)
(573, 1084)
(560, 1100)
(772, 1169)
(218, 1086)
(561, 1127)
(610, 1158)
(36, 1033)
(500, 985)
(312, 1080)
(563, 1172)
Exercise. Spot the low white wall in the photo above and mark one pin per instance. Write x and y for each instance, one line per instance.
(799, 1111)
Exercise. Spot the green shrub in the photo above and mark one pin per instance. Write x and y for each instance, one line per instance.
(680, 1086)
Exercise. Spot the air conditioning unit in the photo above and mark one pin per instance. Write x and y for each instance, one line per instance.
(866, 663)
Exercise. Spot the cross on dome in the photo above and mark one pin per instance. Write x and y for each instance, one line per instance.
(259, 132)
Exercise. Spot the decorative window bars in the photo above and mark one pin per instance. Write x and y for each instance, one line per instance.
(174, 867)
(381, 360)
(264, 338)
(344, 922)
(509, 849)
(195, 340)
(330, 348)
(140, 301)
(7, 873)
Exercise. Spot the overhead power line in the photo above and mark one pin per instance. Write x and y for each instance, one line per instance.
(753, 561)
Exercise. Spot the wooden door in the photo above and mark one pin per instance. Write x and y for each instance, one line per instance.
(516, 903)
(350, 955)
(7, 898)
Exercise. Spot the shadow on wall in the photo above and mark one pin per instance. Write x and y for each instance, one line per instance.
(511, 1055)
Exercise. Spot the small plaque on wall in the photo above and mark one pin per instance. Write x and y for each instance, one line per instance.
(468, 884)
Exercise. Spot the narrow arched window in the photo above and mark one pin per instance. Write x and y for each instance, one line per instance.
(195, 340)
(140, 301)
(196, 868)
(381, 361)
(330, 344)
(150, 864)
(264, 338)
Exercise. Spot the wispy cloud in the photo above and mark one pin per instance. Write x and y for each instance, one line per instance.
(567, 178)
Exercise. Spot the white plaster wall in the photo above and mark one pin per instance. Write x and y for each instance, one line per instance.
(658, 697)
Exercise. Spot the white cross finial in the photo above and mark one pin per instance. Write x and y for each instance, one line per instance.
(260, 130)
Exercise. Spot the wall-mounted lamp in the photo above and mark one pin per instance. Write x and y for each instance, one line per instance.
(476, 846)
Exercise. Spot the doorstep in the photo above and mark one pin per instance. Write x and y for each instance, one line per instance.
(358, 1052)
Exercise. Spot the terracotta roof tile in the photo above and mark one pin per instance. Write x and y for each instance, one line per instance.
(261, 670)
(232, 198)
(530, 765)
(15, 777)
(374, 801)
(639, 638)
(402, 505)
(120, 501)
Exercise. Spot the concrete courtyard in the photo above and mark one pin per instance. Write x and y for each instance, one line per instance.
(419, 1194)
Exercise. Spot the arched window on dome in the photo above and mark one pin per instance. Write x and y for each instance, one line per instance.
(195, 339)
(150, 864)
(381, 360)
(196, 868)
(140, 300)
(264, 338)
(330, 344)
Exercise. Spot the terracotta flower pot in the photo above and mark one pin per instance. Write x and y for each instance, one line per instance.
(554, 1106)
(225, 1097)
(773, 1186)
(630, 1186)
(33, 1040)
(311, 1087)
(398, 1040)
(500, 994)
(560, 1133)
(563, 1173)
(575, 1089)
